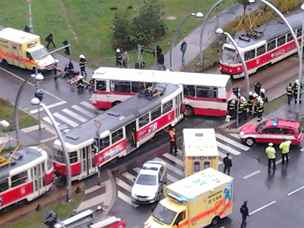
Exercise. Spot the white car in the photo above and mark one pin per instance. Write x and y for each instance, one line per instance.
(149, 182)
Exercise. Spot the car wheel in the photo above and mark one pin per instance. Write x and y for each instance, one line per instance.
(249, 142)
(215, 221)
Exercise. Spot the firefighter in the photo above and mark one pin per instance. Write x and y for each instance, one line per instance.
(250, 103)
(285, 147)
(82, 65)
(296, 90)
(257, 88)
(232, 108)
(263, 95)
(271, 155)
(118, 57)
(289, 93)
(259, 108)
(172, 139)
(243, 109)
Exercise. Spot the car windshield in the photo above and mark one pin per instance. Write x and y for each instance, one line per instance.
(163, 214)
(260, 126)
(145, 179)
(39, 53)
(229, 55)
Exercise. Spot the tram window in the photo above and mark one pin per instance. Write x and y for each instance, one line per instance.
(189, 90)
(167, 106)
(19, 178)
(101, 85)
(121, 86)
(271, 45)
(249, 54)
(73, 157)
(299, 32)
(281, 40)
(156, 113)
(209, 92)
(143, 120)
(289, 37)
(59, 156)
(104, 142)
(117, 135)
(3, 185)
(261, 50)
(137, 86)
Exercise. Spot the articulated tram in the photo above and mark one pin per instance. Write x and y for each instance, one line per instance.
(271, 43)
(120, 130)
(25, 175)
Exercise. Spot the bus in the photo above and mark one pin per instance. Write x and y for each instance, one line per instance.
(204, 94)
(269, 44)
(119, 130)
(25, 175)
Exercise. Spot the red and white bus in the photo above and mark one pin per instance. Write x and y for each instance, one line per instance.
(271, 43)
(204, 94)
(25, 175)
(120, 130)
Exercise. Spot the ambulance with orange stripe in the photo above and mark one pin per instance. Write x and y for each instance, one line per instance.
(24, 50)
(198, 200)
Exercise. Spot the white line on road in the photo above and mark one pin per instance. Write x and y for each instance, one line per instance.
(65, 119)
(171, 167)
(296, 190)
(237, 136)
(34, 111)
(47, 119)
(83, 111)
(227, 148)
(123, 185)
(129, 176)
(263, 207)
(74, 115)
(126, 199)
(173, 158)
(232, 142)
(88, 105)
(93, 189)
(251, 174)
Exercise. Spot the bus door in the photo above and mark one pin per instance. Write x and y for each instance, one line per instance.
(131, 134)
(37, 173)
(86, 160)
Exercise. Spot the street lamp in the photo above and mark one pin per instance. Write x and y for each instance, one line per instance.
(30, 18)
(177, 32)
(38, 93)
(220, 31)
(300, 53)
(37, 102)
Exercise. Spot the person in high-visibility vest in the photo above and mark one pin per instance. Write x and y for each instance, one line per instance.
(271, 155)
(285, 147)
(172, 139)
(289, 93)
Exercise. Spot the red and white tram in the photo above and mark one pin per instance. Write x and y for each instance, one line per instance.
(25, 175)
(271, 43)
(204, 94)
(120, 130)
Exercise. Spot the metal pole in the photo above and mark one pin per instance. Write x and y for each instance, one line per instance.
(30, 18)
(67, 160)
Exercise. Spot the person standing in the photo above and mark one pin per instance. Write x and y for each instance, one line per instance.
(232, 108)
(50, 40)
(172, 139)
(250, 103)
(125, 59)
(118, 57)
(227, 164)
(244, 213)
(259, 109)
(263, 95)
(271, 155)
(296, 90)
(183, 49)
(257, 88)
(285, 147)
(82, 65)
(289, 93)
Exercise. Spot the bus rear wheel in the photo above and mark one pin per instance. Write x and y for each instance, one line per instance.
(188, 111)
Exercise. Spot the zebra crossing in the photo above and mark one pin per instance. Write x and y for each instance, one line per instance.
(175, 165)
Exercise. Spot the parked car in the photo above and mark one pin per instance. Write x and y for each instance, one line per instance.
(272, 130)
(148, 185)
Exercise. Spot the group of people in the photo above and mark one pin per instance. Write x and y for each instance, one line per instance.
(121, 58)
(292, 92)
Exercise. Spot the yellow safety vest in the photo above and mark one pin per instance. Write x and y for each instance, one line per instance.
(284, 147)
(270, 152)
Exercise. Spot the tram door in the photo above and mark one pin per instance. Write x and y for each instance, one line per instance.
(130, 134)
(178, 102)
(86, 161)
(37, 173)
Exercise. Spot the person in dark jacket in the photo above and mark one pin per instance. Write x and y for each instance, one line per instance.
(82, 65)
(257, 88)
(227, 164)
(50, 40)
(244, 213)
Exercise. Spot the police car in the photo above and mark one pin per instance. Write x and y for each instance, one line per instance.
(272, 130)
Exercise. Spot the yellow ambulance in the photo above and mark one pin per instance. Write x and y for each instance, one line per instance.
(198, 200)
(24, 50)
(200, 150)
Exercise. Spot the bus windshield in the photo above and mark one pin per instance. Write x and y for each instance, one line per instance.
(163, 214)
(229, 55)
(38, 54)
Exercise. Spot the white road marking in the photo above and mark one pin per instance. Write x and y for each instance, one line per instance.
(88, 105)
(74, 115)
(47, 119)
(251, 174)
(237, 136)
(174, 159)
(261, 208)
(83, 111)
(65, 119)
(232, 142)
(34, 111)
(227, 148)
(136, 169)
(123, 185)
(295, 191)
(126, 199)
(92, 189)
(129, 176)
(171, 167)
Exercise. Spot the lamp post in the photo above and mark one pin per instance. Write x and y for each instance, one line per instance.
(300, 53)
(38, 93)
(221, 31)
(36, 101)
(177, 32)
(30, 18)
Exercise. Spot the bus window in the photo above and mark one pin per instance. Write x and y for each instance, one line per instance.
(121, 86)
(73, 157)
(3, 185)
(104, 142)
(208, 92)
(281, 40)
(249, 54)
(117, 135)
(137, 86)
(156, 113)
(271, 45)
(101, 85)
(143, 120)
(167, 106)
(261, 50)
(189, 90)
(19, 178)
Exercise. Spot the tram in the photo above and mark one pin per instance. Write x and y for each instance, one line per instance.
(269, 44)
(25, 175)
(120, 130)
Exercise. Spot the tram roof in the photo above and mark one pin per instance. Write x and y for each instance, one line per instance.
(181, 78)
(23, 157)
(271, 30)
(118, 115)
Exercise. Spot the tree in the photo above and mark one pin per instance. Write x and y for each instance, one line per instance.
(121, 33)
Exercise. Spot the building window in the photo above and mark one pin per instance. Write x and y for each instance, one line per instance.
(117, 135)
(271, 45)
(249, 55)
(156, 113)
(73, 157)
(143, 120)
(167, 106)
(3, 185)
(281, 40)
(189, 90)
(19, 178)
(261, 50)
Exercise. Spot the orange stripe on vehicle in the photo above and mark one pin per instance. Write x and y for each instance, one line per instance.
(16, 57)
